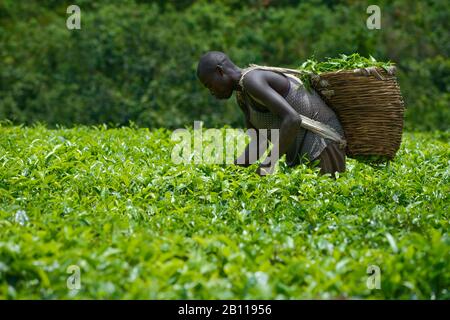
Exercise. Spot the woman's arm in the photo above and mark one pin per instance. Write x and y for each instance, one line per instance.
(257, 84)
(258, 141)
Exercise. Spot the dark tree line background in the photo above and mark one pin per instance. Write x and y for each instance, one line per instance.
(136, 60)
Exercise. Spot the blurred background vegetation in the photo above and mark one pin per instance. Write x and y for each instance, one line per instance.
(136, 60)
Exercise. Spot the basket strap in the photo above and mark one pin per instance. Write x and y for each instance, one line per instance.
(320, 128)
(324, 130)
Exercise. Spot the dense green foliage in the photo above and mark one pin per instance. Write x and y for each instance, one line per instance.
(136, 60)
(344, 62)
(111, 202)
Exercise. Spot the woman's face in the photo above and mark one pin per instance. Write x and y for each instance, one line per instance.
(219, 84)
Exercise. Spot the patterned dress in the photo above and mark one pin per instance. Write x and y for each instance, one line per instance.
(307, 144)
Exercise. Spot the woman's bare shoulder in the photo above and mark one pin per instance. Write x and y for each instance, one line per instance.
(259, 79)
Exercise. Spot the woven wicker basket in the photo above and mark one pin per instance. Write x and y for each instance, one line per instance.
(370, 107)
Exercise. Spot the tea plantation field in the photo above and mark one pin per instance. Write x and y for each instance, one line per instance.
(108, 210)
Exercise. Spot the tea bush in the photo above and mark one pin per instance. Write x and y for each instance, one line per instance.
(112, 203)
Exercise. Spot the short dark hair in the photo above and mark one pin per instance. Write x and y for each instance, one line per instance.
(209, 61)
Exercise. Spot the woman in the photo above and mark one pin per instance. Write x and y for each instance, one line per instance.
(274, 100)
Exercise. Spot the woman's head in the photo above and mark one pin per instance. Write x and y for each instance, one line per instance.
(218, 73)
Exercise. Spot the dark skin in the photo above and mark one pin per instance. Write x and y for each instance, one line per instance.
(268, 90)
